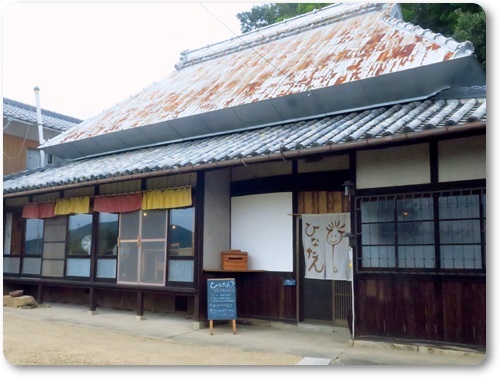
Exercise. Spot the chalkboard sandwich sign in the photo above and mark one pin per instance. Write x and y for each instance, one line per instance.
(221, 298)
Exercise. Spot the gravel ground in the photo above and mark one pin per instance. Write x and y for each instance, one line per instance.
(59, 339)
(42, 342)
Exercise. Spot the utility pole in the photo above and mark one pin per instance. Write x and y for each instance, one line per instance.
(40, 127)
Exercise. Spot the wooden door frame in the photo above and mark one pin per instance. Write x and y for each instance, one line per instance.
(324, 207)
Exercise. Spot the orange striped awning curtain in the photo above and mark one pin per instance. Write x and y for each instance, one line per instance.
(39, 210)
(72, 205)
(119, 203)
(167, 198)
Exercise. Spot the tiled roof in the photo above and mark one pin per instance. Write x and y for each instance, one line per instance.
(339, 45)
(23, 112)
(440, 113)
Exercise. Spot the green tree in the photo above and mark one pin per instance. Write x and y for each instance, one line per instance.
(266, 14)
(472, 27)
(461, 21)
(257, 17)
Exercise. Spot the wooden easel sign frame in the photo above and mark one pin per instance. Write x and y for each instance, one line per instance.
(221, 299)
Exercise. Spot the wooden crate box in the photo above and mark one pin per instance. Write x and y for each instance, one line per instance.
(234, 260)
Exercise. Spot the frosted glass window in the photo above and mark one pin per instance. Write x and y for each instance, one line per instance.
(379, 256)
(11, 265)
(32, 266)
(445, 230)
(465, 206)
(378, 234)
(106, 268)
(461, 257)
(181, 271)
(378, 211)
(78, 267)
(415, 233)
(416, 257)
(460, 231)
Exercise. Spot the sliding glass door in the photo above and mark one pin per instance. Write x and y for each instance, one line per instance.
(142, 247)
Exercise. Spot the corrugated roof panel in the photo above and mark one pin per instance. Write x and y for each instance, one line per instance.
(343, 43)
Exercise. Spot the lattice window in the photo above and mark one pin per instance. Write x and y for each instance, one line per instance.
(423, 231)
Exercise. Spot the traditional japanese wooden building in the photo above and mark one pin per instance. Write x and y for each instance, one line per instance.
(347, 109)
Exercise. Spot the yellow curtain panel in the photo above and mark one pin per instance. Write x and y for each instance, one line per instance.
(72, 205)
(168, 198)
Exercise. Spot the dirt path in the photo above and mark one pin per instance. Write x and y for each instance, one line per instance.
(42, 342)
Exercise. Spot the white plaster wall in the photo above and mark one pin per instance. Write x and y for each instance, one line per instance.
(217, 213)
(395, 166)
(262, 226)
(462, 159)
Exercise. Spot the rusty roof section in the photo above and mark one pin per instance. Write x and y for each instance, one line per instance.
(340, 44)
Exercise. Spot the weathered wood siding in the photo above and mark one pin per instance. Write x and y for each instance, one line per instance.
(428, 309)
(258, 295)
(14, 150)
(316, 202)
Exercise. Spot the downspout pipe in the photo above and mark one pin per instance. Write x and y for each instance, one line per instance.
(39, 124)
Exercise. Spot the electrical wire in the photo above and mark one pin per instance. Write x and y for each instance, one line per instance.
(22, 146)
(239, 37)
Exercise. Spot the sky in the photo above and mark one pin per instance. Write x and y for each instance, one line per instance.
(87, 56)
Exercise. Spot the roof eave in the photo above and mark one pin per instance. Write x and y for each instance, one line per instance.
(291, 154)
(407, 85)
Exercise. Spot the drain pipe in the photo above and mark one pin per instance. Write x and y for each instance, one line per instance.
(40, 127)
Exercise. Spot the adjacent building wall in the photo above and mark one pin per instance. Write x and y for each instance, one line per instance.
(14, 150)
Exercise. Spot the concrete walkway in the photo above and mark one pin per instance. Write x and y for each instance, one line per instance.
(318, 345)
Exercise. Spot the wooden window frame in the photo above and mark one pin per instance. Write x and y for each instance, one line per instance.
(436, 220)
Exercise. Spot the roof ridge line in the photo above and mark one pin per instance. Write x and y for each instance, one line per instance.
(45, 112)
(459, 48)
(269, 37)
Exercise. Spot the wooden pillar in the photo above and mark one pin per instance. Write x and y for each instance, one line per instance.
(140, 303)
(92, 302)
(40, 294)
(196, 306)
